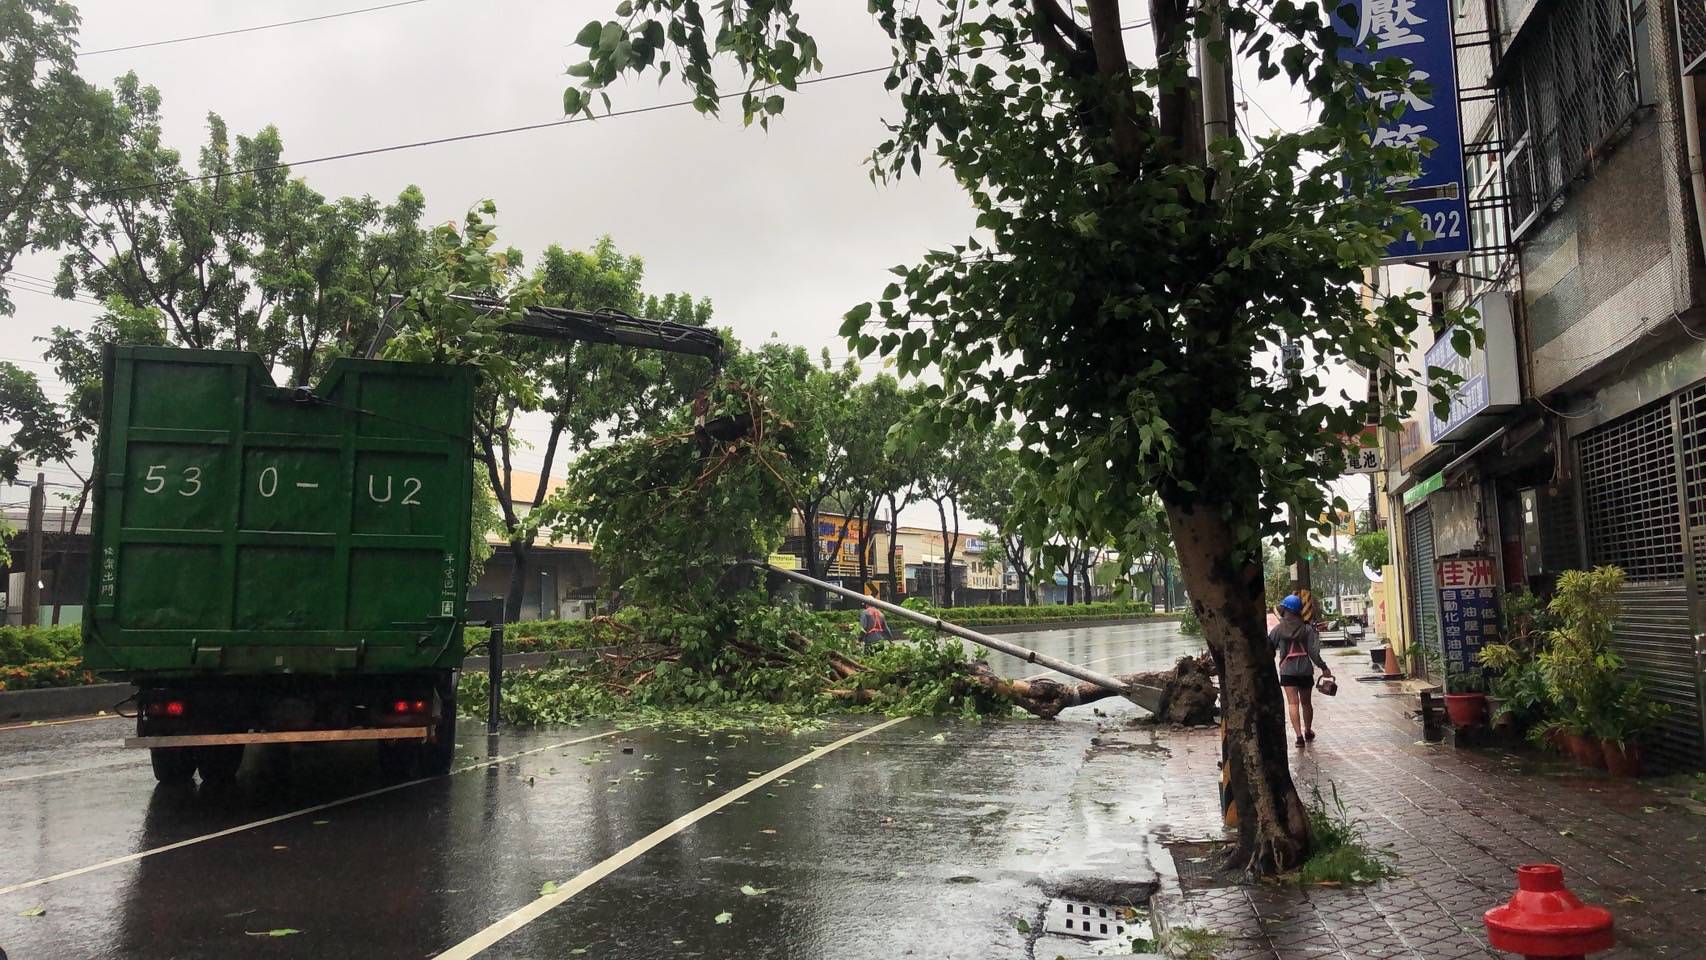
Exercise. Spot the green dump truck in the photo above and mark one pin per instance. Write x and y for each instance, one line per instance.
(277, 565)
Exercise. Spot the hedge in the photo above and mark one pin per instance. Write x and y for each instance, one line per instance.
(44, 673)
(1041, 613)
(21, 645)
(534, 636)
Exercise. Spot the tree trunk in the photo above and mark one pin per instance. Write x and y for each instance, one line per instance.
(69, 536)
(814, 568)
(518, 553)
(1273, 827)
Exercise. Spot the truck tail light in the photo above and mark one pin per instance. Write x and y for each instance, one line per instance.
(167, 708)
(410, 706)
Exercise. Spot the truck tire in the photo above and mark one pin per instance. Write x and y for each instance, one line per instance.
(172, 764)
(219, 764)
(437, 756)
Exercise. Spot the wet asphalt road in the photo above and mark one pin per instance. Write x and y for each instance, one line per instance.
(925, 838)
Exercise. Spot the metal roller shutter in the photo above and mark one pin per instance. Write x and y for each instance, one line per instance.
(1424, 608)
(1632, 499)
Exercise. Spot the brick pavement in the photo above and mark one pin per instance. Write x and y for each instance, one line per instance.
(1460, 822)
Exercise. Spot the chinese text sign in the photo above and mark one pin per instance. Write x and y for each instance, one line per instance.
(1468, 611)
(1419, 32)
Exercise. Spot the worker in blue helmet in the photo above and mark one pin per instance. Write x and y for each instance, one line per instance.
(1298, 648)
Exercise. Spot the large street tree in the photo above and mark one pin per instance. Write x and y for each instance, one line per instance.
(51, 121)
(999, 495)
(1128, 281)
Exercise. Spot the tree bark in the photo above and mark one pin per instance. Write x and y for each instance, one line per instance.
(1273, 827)
(949, 546)
(518, 554)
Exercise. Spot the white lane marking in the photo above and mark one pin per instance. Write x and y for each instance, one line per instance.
(127, 761)
(479, 942)
(54, 723)
(253, 824)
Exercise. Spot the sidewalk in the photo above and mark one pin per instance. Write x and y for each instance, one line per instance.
(1460, 822)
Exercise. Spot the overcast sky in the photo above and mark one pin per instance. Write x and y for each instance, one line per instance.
(783, 230)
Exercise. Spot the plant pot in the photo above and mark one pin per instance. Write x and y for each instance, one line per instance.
(1585, 750)
(1378, 656)
(1498, 722)
(1465, 709)
(1621, 759)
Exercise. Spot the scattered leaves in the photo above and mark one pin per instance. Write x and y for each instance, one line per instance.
(549, 887)
(724, 917)
(279, 932)
(33, 912)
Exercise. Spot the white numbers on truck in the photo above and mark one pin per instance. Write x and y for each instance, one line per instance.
(268, 482)
(155, 480)
(411, 486)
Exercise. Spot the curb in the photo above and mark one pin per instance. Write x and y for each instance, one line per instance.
(54, 702)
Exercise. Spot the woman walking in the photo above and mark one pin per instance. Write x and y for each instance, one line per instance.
(1298, 647)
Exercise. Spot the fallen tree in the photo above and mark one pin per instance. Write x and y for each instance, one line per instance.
(677, 514)
(783, 660)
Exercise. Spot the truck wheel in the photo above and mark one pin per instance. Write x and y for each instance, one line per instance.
(172, 764)
(219, 764)
(437, 756)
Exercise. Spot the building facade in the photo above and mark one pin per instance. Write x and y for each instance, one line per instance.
(1578, 434)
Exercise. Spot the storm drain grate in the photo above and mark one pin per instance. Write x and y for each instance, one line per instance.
(1198, 864)
(1096, 921)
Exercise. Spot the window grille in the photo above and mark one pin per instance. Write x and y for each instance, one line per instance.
(1569, 84)
(1631, 497)
(1691, 25)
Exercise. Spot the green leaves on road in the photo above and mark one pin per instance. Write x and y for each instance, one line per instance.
(280, 932)
(724, 917)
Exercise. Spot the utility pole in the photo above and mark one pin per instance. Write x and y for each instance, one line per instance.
(1291, 356)
(31, 614)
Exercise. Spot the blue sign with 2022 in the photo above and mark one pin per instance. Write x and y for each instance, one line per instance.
(1419, 32)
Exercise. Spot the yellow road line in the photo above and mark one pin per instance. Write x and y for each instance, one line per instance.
(254, 824)
(479, 942)
(54, 723)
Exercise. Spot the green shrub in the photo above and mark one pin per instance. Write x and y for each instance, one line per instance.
(1189, 625)
(44, 673)
(21, 645)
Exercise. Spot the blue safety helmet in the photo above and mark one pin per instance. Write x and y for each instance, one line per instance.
(1294, 603)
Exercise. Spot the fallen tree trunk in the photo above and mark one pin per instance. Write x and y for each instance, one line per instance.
(1188, 693)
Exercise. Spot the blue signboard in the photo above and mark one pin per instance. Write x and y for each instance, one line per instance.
(1471, 395)
(1419, 32)
(1469, 611)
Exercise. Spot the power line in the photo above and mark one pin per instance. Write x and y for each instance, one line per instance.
(480, 135)
(264, 26)
(11, 284)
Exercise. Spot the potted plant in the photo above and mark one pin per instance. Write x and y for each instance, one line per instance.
(1582, 671)
(1465, 698)
(1622, 723)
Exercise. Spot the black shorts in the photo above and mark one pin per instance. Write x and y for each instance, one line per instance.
(1293, 680)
